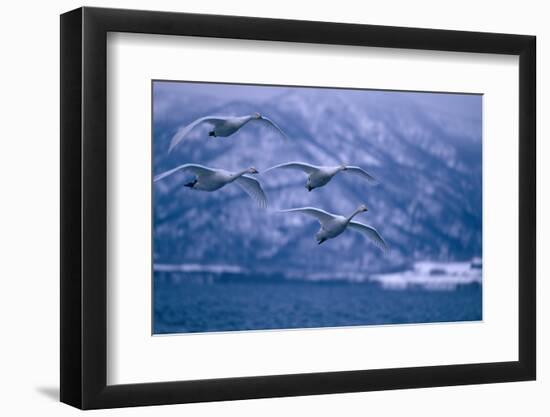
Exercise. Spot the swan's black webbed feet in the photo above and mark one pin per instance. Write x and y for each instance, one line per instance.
(212, 133)
(191, 184)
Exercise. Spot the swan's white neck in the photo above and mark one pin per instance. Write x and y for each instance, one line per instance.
(352, 215)
(337, 170)
(240, 173)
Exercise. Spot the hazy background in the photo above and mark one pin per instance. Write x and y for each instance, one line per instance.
(425, 149)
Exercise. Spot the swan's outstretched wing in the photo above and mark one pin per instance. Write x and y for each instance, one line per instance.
(253, 188)
(361, 172)
(194, 168)
(321, 215)
(371, 232)
(184, 130)
(266, 121)
(307, 168)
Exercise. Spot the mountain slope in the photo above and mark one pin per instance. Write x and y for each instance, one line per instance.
(427, 159)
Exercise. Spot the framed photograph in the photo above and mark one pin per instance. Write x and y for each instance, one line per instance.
(257, 208)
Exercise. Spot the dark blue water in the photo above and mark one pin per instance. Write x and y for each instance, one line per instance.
(181, 307)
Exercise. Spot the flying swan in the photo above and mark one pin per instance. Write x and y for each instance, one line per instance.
(317, 176)
(333, 225)
(211, 179)
(223, 126)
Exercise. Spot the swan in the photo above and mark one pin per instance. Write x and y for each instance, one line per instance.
(317, 176)
(223, 126)
(211, 179)
(333, 225)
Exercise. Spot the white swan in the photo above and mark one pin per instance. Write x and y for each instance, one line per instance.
(317, 176)
(211, 179)
(333, 225)
(223, 126)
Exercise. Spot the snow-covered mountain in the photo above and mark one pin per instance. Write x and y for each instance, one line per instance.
(424, 149)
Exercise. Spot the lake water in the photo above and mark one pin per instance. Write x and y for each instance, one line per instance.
(215, 306)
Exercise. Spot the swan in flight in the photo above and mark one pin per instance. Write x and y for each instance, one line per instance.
(211, 179)
(317, 176)
(222, 126)
(333, 225)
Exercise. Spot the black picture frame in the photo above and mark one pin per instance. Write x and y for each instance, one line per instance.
(84, 207)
